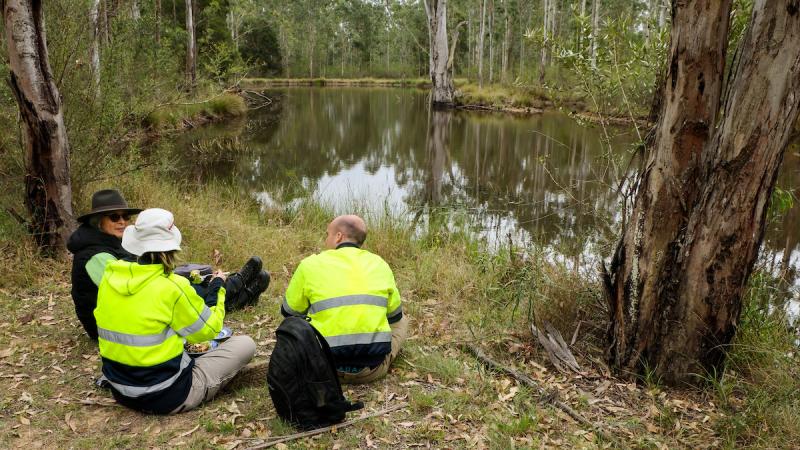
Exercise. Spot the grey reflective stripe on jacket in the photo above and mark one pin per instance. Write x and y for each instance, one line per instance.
(198, 324)
(348, 300)
(138, 391)
(394, 313)
(289, 309)
(359, 338)
(135, 340)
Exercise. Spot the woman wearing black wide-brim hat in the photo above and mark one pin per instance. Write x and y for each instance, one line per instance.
(97, 241)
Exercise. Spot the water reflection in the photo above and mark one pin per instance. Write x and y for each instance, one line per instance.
(545, 178)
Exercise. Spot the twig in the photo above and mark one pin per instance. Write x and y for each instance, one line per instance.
(11, 211)
(544, 396)
(292, 437)
(575, 334)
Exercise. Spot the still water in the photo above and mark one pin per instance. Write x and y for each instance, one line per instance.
(546, 180)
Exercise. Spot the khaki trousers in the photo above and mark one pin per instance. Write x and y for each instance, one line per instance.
(215, 369)
(367, 375)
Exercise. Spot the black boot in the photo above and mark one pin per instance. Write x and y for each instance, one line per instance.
(250, 270)
(234, 291)
(259, 285)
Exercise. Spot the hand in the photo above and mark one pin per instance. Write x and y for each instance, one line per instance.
(220, 274)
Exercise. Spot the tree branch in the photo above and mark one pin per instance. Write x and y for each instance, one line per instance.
(292, 437)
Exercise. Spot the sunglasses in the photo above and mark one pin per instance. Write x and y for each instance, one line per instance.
(114, 217)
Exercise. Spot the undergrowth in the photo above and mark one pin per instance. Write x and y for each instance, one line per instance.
(455, 290)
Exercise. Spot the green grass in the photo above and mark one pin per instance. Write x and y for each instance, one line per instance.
(453, 289)
(760, 390)
(501, 97)
(175, 115)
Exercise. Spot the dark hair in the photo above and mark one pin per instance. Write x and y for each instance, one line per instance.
(167, 259)
(94, 221)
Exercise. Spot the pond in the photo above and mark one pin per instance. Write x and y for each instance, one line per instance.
(546, 180)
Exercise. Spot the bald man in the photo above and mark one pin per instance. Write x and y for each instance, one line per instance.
(351, 298)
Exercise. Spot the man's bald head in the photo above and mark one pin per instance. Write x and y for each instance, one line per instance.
(347, 228)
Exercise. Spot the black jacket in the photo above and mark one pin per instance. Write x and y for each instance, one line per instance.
(84, 243)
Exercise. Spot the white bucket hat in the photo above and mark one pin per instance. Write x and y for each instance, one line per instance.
(154, 231)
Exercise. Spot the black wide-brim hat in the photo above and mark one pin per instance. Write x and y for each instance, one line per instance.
(105, 201)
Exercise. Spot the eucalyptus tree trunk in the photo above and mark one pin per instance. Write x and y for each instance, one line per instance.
(506, 43)
(545, 38)
(469, 40)
(48, 189)
(452, 56)
(580, 32)
(191, 44)
(679, 273)
(491, 42)
(480, 44)
(158, 22)
(440, 71)
(523, 38)
(136, 13)
(106, 26)
(595, 31)
(94, 49)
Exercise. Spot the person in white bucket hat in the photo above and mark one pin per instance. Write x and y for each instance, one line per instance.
(145, 313)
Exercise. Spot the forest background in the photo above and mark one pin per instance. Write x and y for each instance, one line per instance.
(125, 76)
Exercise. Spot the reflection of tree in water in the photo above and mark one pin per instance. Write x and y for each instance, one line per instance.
(540, 174)
(781, 240)
(215, 150)
(544, 174)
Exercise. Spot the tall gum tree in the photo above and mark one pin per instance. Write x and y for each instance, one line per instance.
(48, 190)
(441, 73)
(678, 276)
(191, 47)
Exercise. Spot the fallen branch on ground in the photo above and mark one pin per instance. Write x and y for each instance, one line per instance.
(292, 437)
(544, 396)
(557, 350)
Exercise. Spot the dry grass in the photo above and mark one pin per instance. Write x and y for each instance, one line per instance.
(454, 291)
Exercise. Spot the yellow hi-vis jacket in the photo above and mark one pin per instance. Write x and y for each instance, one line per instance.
(351, 297)
(143, 317)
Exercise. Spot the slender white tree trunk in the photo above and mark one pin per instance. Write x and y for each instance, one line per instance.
(523, 38)
(191, 61)
(595, 30)
(136, 14)
(545, 38)
(491, 42)
(470, 59)
(94, 49)
(506, 43)
(480, 44)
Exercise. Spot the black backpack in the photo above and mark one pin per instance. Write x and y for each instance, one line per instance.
(302, 378)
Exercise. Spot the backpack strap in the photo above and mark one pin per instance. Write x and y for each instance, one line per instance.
(345, 404)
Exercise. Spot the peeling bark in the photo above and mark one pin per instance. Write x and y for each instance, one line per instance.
(440, 72)
(679, 273)
(48, 190)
